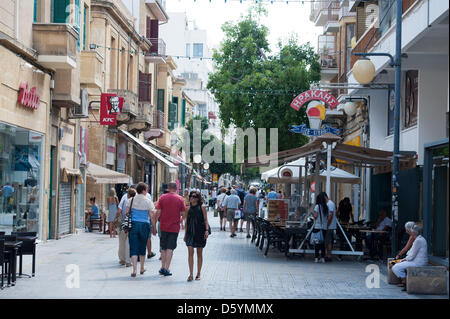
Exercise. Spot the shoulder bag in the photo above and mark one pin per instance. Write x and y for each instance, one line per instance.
(126, 224)
(317, 234)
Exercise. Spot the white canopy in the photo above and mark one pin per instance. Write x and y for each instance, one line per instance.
(275, 175)
(103, 175)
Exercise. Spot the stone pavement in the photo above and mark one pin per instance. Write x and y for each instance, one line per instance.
(233, 268)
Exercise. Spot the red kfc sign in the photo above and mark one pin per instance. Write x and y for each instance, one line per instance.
(28, 97)
(307, 96)
(110, 106)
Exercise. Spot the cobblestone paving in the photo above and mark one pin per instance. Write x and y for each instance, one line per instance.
(233, 268)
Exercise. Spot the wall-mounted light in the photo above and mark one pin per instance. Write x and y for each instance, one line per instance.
(350, 108)
(364, 71)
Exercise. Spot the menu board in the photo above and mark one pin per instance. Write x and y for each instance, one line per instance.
(278, 209)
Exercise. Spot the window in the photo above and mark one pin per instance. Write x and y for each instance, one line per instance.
(188, 49)
(61, 11)
(145, 87)
(35, 11)
(183, 112)
(411, 95)
(84, 27)
(198, 50)
(350, 33)
(160, 102)
(113, 65)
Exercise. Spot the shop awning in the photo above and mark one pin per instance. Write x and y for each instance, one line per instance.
(352, 155)
(149, 149)
(103, 175)
(75, 173)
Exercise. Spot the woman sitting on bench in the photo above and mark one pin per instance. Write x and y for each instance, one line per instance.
(417, 256)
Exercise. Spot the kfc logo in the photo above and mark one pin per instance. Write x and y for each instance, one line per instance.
(110, 106)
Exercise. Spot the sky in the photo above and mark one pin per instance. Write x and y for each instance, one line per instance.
(282, 20)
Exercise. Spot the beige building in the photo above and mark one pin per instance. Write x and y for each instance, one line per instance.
(40, 53)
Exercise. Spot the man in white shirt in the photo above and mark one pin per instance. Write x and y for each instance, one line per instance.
(220, 201)
(384, 223)
(329, 238)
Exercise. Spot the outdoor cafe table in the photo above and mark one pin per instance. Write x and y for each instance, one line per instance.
(12, 247)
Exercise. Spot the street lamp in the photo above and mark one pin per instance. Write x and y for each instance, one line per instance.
(365, 67)
(206, 166)
(197, 158)
(350, 108)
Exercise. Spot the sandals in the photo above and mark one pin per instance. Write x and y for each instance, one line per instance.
(133, 275)
(142, 271)
(197, 277)
(190, 278)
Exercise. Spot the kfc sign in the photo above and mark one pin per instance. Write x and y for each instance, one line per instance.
(27, 97)
(110, 106)
(319, 95)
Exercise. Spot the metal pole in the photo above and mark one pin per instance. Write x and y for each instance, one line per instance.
(328, 186)
(398, 82)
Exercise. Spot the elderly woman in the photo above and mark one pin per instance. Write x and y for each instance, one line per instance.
(408, 228)
(417, 256)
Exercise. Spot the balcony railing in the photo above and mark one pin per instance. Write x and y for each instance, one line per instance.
(158, 47)
(328, 60)
(329, 7)
(145, 112)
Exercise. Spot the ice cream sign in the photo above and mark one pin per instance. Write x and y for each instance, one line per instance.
(316, 109)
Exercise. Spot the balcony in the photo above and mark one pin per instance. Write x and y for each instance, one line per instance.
(144, 119)
(331, 26)
(157, 52)
(345, 12)
(322, 11)
(328, 62)
(158, 8)
(91, 73)
(130, 106)
(158, 127)
(56, 44)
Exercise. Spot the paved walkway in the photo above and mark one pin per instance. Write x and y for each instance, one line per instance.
(233, 268)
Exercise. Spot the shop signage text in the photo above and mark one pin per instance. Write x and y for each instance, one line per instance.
(311, 95)
(27, 97)
(110, 106)
(304, 130)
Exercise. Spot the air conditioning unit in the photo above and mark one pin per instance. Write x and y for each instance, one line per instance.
(82, 110)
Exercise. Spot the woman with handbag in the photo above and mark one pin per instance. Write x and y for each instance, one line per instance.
(113, 203)
(197, 231)
(138, 223)
(320, 227)
(124, 246)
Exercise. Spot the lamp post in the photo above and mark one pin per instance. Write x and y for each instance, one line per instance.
(365, 72)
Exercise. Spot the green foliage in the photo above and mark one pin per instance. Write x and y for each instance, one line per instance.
(242, 66)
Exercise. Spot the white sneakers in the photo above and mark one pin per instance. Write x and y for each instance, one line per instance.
(316, 260)
(322, 260)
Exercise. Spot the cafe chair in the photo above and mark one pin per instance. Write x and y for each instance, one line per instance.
(28, 248)
(3, 260)
(6, 256)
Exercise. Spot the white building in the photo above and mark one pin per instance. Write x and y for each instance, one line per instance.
(189, 47)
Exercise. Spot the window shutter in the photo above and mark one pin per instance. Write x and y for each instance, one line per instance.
(183, 112)
(154, 35)
(148, 28)
(145, 87)
(160, 103)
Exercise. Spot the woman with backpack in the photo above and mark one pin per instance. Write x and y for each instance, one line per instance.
(320, 227)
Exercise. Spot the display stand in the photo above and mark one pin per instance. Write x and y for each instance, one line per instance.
(352, 252)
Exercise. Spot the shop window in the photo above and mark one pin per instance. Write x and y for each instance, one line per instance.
(21, 186)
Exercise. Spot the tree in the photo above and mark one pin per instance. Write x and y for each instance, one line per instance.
(255, 90)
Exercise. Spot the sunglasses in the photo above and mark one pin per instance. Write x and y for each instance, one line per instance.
(193, 196)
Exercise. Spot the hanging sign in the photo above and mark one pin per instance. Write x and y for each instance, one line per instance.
(303, 129)
(110, 106)
(27, 97)
(311, 95)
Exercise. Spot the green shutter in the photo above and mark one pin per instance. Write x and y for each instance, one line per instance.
(61, 11)
(175, 101)
(183, 112)
(172, 115)
(160, 102)
(35, 11)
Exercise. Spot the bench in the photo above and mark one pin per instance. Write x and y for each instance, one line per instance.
(430, 280)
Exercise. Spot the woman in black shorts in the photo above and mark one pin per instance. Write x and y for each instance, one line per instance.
(196, 232)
